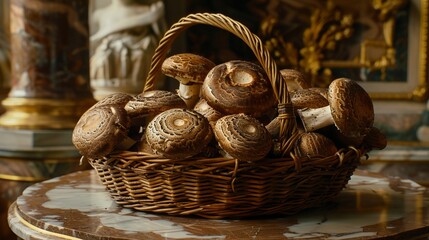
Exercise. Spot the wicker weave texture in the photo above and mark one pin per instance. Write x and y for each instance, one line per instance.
(224, 187)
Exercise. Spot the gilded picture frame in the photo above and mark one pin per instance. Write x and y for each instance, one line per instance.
(382, 44)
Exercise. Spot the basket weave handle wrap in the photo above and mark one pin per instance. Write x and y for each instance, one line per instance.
(286, 113)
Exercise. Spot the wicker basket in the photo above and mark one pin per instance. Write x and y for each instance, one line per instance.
(223, 187)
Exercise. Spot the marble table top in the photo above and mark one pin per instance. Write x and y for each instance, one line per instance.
(77, 206)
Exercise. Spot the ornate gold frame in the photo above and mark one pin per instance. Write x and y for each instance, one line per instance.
(330, 25)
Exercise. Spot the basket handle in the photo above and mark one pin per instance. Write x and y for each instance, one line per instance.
(285, 108)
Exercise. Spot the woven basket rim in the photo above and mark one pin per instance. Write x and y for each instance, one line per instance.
(223, 187)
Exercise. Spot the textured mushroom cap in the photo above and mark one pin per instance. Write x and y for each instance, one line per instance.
(321, 91)
(294, 79)
(100, 129)
(313, 144)
(119, 99)
(351, 107)
(207, 111)
(238, 87)
(305, 98)
(178, 133)
(153, 102)
(243, 137)
(187, 68)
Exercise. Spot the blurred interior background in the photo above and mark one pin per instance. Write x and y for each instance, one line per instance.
(381, 44)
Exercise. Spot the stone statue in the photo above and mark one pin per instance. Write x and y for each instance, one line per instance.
(128, 33)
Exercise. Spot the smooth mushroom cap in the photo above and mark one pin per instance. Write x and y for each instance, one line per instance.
(313, 145)
(350, 109)
(238, 87)
(178, 133)
(153, 102)
(100, 130)
(243, 137)
(375, 139)
(187, 68)
(295, 80)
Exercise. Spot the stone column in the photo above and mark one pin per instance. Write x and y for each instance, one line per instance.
(50, 89)
(4, 52)
(50, 85)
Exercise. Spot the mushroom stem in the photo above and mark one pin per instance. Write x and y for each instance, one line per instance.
(315, 118)
(190, 93)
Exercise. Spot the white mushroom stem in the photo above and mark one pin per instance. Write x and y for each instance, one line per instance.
(190, 93)
(274, 127)
(315, 118)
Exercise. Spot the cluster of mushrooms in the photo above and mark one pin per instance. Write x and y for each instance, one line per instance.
(227, 110)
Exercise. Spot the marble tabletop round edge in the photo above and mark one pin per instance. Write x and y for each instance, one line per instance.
(77, 206)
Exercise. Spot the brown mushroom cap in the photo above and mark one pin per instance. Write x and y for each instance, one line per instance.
(119, 99)
(350, 109)
(243, 137)
(100, 129)
(375, 139)
(305, 98)
(321, 91)
(313, 144)
(178, 133)
(295, 80)
(341, 140)
(238, 87)
(187, 68)
(153, 102)
(190, 70)
(207, 111)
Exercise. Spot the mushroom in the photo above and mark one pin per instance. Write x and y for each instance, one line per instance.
(190, 70)
(294, 79)
(178, 133)
(153, 102)
(238, 87)
(306, 98)
(207, 111)
(375, 139)
(274, 127)
(119, 99)
(350, 109)
(321, 91)
(100, 130)
(243, 137)
(142, 146)
(313, 145)
(340, 139)
(143, 107)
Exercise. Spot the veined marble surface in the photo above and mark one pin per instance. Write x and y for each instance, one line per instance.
(77, 206)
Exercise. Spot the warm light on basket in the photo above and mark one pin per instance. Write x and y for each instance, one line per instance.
(231, 143)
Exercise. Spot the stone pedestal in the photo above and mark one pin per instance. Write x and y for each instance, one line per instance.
(49, 91)
(50, 85)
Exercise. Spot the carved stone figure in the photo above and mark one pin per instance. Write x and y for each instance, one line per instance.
(128, 33)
